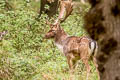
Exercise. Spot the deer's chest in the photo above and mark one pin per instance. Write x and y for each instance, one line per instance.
(60, 47)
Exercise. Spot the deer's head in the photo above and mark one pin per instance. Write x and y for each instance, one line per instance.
(54, 28)
(65, 6)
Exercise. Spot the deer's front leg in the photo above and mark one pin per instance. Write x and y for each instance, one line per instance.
(72, 64)
(85, 61)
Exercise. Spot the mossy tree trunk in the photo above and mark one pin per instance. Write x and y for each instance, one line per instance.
(103, 24)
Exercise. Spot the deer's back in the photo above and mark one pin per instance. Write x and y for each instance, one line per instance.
(78, 46)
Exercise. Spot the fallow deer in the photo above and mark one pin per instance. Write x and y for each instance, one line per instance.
(74, 48)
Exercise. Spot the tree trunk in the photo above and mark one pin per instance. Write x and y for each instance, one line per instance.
(53, 7)
(8, 6)
(103, 24)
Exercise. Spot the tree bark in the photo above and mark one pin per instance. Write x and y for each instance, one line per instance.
(53, 7)
(8, 6)
(103, 24)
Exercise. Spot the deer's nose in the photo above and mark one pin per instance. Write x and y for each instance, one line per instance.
(46, 36)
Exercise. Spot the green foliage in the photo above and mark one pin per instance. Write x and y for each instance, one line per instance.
(25, 54)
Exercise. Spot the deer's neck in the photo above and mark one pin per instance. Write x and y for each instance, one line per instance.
(60, 37)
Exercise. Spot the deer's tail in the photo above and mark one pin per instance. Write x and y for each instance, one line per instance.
(93, 48)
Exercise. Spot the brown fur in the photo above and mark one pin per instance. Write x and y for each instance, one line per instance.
(74, 48)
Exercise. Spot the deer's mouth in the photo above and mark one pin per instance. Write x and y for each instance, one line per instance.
(49, 36)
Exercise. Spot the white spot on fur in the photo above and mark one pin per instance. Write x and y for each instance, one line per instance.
(60, 47)
(92, 44)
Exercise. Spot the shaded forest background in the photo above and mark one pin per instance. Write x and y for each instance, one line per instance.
(25, 54)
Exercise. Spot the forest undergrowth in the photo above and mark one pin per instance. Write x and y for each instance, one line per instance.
(25, 54)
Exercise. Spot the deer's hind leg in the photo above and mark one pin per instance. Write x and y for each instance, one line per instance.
(96, 66)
